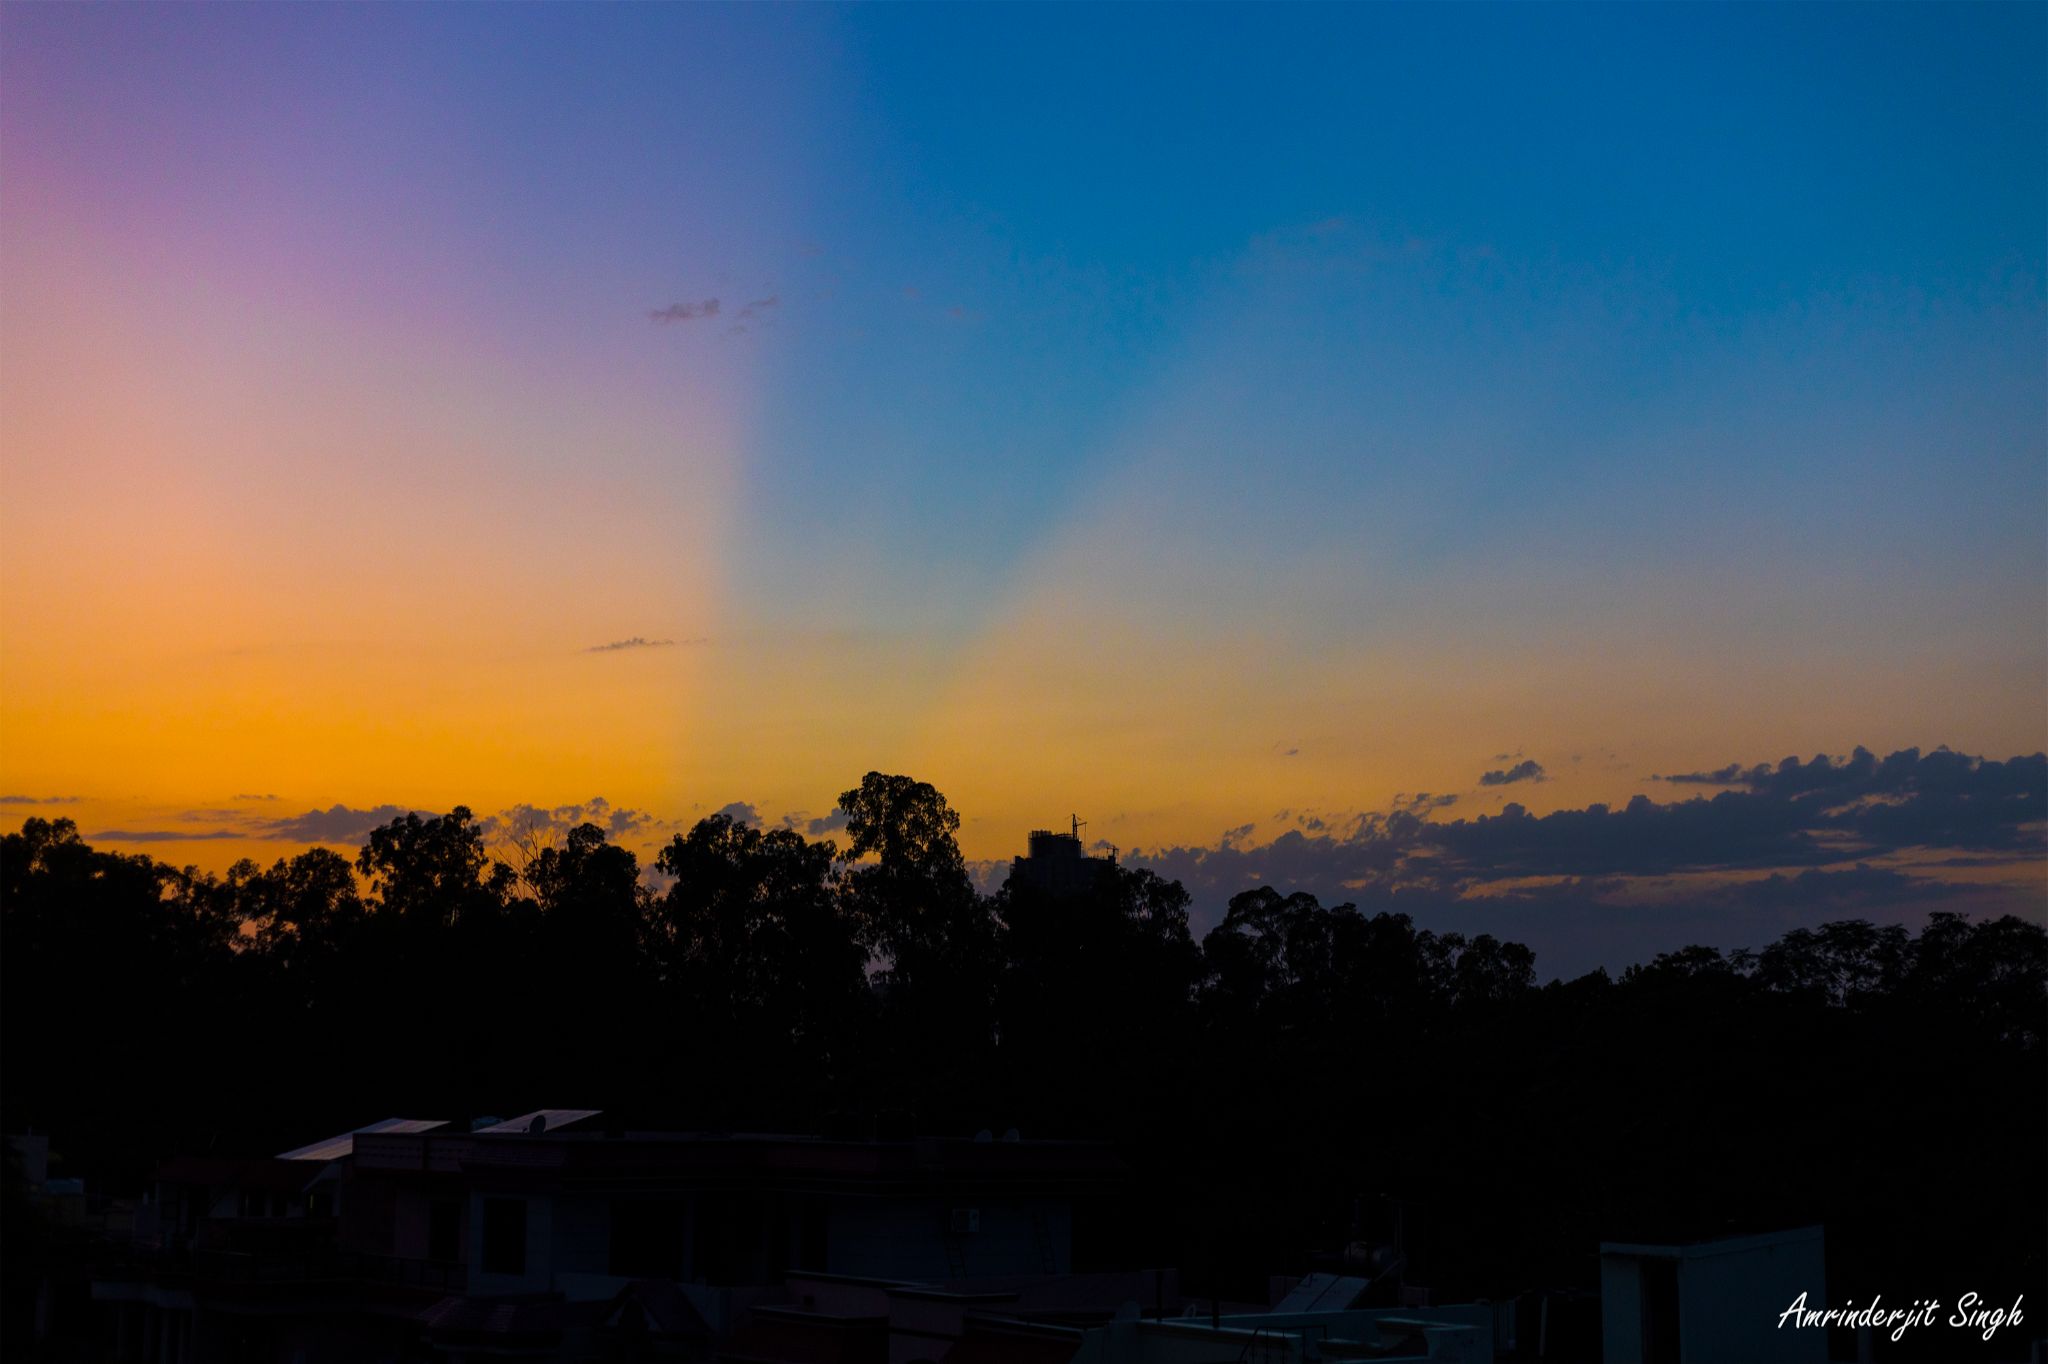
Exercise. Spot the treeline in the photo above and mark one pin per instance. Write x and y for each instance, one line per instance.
(1302, 1078)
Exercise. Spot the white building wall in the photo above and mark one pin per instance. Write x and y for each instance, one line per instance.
(1729, 1300)
(1621, 1309)
(1730, 1296)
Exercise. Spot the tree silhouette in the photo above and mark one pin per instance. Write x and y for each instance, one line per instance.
(1278, 1087)
(433, 870)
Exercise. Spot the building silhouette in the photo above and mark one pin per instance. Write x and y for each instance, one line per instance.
(1057, 864)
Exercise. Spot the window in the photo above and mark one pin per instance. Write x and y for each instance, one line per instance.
(444, 1230)
(504, 1236)
(811, 1234)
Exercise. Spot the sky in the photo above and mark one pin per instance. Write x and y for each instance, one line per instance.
(1238, 427)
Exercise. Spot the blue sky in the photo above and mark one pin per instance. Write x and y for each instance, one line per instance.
(1750, 219)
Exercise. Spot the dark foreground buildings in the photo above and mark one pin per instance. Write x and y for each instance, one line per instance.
(556, 1236)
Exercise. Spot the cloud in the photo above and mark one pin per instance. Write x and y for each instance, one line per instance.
(1642, 838)
(1528, 770)
(1786, 842)
(830, 822)
(1861, 887)
(1909, 799)
(1731, 775)
(760, 306)
(684, 312)
(740, 812)
(243, 795)
(636, 642)
(335, 824)
(162, 835)
(38, 800)
(987, 874)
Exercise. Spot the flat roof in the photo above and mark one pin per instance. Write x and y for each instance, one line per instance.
(550, 1120)
(334, 1148)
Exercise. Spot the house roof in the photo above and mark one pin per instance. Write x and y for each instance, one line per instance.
(335, 1148)
(551, 1120)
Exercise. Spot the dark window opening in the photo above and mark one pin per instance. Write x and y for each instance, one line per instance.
(444, 1230)
(504, 1236)
(810, 1253)
(719, 1252)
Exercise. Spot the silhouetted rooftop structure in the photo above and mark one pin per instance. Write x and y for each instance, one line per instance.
(1057, 863)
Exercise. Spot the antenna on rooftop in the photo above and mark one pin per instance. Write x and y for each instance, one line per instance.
(1079, 824)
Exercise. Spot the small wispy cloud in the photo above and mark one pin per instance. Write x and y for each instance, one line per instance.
(761, 305)
(685, 312)
(38, 800)
(1734, 774)
(163, 835)
(636, 642)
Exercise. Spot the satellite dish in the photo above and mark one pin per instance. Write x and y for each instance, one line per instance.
(539, 1123)
(480, 1124)
(984, 1135)
(1013, 1135)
